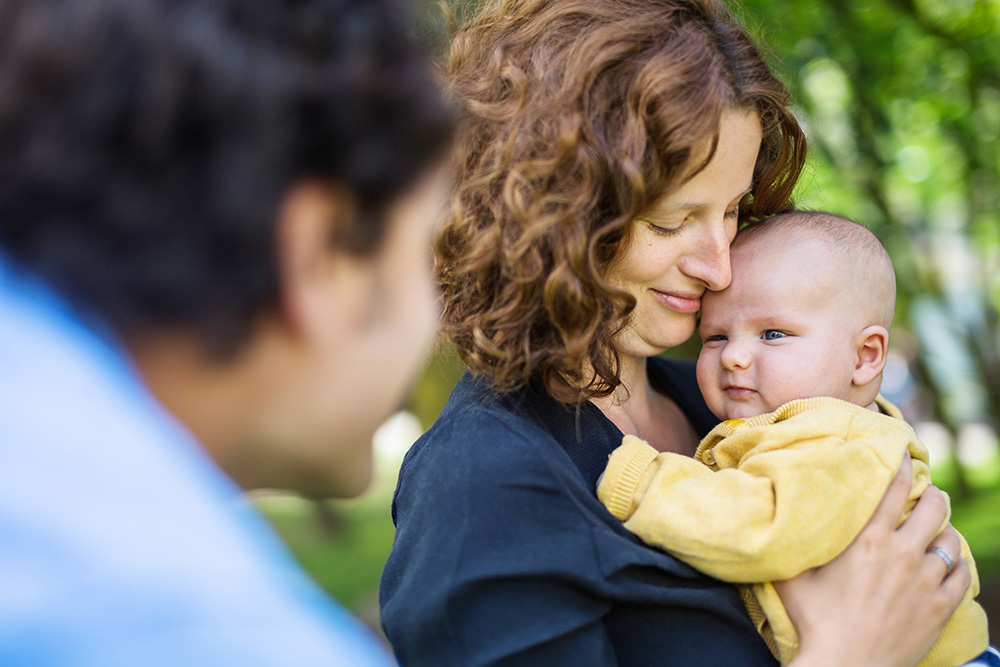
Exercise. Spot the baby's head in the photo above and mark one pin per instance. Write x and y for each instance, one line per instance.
(807, 314)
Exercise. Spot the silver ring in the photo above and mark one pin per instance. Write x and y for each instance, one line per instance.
(949, 560)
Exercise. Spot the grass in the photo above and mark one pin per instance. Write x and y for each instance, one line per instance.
(343, 545)
(978, 520)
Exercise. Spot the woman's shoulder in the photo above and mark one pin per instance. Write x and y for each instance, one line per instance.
(476, 418)
(482, 445)
(487, 467)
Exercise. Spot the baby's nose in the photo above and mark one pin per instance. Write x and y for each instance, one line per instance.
(735, 355)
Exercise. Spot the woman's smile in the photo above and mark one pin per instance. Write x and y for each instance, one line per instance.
(680, 302)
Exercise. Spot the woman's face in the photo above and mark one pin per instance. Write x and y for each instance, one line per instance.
(681, 247)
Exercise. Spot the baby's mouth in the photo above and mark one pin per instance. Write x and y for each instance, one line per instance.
(738, 392)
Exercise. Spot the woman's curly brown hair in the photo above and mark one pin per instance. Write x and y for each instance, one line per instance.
(576, 117)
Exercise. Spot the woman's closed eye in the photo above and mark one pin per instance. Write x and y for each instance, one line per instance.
(668, 230)
(673, 228)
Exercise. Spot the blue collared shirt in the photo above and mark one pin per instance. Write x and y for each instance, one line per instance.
(121, 542)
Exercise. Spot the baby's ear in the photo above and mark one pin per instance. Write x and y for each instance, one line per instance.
(872, 348)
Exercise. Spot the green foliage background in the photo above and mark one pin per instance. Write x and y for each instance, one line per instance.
(901, 100)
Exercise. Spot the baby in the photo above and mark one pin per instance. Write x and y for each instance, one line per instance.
(792, 359)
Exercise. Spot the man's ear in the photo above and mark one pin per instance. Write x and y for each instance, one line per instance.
(321, 286)
(872, 351)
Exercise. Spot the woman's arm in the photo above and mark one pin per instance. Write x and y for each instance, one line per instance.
(883, 601)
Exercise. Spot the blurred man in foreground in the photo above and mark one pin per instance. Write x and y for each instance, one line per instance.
(214, 246)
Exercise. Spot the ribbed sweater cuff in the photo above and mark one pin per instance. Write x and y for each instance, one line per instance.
(625, 471)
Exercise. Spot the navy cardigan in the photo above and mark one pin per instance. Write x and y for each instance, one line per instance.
(503, 554)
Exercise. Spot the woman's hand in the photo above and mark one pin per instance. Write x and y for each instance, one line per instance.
(885, 599)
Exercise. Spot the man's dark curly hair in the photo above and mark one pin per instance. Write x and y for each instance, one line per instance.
(145, 145)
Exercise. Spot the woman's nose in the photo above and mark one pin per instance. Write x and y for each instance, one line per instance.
(709, 260)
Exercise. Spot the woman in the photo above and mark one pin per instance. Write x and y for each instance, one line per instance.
(607, 150)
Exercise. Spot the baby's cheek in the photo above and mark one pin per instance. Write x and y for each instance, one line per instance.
(718, 402)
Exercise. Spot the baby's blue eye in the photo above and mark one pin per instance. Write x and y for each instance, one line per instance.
(773, 334)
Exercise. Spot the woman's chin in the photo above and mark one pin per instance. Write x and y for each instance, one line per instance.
(645, 342)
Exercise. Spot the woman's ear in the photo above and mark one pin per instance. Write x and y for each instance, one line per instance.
(321, 286)
(872, 350)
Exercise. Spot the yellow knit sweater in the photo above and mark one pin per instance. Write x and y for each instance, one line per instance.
(768, 497)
